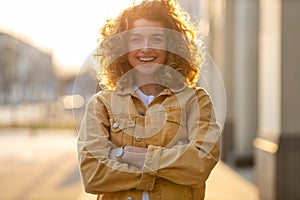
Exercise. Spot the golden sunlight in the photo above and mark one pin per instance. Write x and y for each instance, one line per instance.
(68, 29)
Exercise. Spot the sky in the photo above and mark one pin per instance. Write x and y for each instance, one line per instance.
(68, 29)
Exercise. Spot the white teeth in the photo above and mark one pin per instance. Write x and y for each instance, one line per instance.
(146, 59)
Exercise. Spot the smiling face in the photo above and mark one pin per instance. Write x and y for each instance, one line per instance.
(146, 43)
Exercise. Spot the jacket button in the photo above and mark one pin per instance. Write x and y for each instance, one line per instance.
(115, 125)
(129, 198)
(138, 138)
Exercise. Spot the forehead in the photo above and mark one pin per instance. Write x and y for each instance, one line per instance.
(144, 23)
(147, 27)
(150, 31)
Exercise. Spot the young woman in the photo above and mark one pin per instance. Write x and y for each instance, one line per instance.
(150, 133)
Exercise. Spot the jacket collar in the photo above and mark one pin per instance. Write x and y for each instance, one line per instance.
(126, 86)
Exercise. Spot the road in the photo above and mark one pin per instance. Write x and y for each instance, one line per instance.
(41, 164)
(38, 164)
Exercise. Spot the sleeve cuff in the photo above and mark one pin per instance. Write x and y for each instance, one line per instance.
(151, 164)
(146, 182)
(150, 168)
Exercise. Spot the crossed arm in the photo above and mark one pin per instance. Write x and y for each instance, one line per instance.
(133, 155)
(98, 162)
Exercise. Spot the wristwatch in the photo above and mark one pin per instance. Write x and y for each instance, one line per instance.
(119, 152)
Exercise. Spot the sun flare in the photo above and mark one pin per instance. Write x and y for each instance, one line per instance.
(68, 29)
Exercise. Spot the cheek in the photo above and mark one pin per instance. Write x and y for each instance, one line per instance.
(163, 57)
(131, 58)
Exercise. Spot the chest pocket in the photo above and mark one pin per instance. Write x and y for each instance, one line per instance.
(173, 127)
(176, 115)
(121, 129)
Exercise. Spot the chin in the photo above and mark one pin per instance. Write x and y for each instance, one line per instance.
(148, 68)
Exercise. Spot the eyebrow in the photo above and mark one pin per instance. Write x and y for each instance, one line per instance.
(159, 34)
(141, 34)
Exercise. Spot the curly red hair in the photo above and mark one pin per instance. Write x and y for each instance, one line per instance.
(172, 17)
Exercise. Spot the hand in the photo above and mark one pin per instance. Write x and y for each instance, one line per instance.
(135, 149)
(112, 154)
(134, 155)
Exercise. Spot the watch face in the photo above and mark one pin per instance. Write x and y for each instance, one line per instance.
(119, 152)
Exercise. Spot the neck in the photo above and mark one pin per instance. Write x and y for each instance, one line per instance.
(146, 84)
(151, 89)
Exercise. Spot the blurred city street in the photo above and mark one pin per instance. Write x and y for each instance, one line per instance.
(41, 164)
(38, 164)
(47, 77)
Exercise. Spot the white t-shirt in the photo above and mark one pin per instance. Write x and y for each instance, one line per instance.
(147, 100)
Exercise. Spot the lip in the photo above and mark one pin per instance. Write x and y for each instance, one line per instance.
(146, 59)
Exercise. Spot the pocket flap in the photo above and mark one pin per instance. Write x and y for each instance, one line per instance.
(176, 115)
(121, 123)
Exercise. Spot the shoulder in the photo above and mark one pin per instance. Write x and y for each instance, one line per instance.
(202, 96)
(195, 91)
(200, 90)
(105, 94)
(100, 97)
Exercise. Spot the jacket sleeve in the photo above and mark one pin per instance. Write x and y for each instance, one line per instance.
(99, 173)
(189, 164)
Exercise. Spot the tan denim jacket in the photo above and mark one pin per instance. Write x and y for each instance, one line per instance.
(179, 130)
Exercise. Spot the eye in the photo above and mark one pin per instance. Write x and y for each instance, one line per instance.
(135, 40)
(157, 40)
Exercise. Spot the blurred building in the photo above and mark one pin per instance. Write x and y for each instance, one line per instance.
(32, 94)
(26, 73)
(255, 44)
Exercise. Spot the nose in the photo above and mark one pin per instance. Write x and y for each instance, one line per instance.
(146, 45)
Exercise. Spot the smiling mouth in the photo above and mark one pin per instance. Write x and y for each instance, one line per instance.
(146, 59)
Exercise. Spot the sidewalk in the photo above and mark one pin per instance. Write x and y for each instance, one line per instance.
(39, 164)
(223, 184)
(42, 164)
(226, 184)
